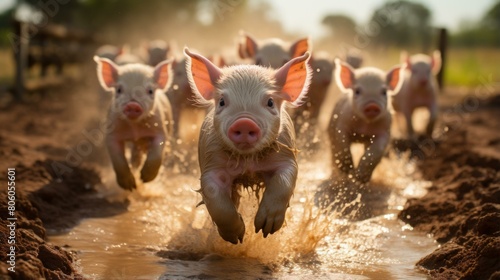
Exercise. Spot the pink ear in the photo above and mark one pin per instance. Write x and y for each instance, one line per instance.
(394, 78)
(217, 60)
(251, 46)
(294, 78)
(163, 74)
(436, 62)
(125, 49)
(247, 48)
(300, 47)
(344, 75)
(241, 51)
(107, 72)
(222, 62)
(202, 74)
(145, 45)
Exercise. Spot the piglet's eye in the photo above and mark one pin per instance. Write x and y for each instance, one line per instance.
(151, 91)
(119, 89)
(357, 91)
(384, 92)
(222, 103)
(270, 103)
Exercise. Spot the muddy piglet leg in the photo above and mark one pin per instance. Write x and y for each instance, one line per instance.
(341, 152)
(216, 190)
(154, 159)
(409, 124)
(124, 176)
(276, 198)
(371, 158)
(432, 119)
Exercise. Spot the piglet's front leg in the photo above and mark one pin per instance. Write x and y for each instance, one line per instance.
(371, 158)
(154, 159)
(279, 189)
(216, 190)
(124, 176)
(341, 152)
(432, 119)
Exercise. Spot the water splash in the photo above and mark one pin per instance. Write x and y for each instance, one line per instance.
(165, 232)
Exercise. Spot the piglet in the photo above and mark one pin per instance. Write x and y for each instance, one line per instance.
(354, 58)
(127, 56)
(109, 51)
(157, 51)
(179, 94)
(140, 113)
(247, 139)
(361, 115)
(271, 52)
(322, 66)
(419, 89)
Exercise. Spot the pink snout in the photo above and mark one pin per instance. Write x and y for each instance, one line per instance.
(132, 110)
(244, 133)
(423, 83)
(371, 110)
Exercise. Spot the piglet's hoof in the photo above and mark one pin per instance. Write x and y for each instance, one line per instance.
(148, 175)
(233, 233)
(127, 182)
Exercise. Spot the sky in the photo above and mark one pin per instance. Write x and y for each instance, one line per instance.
(305, 16)
(446, 13)
(4, 4)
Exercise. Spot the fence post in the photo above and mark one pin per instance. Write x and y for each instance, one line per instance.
(21, 55)
(443, 47)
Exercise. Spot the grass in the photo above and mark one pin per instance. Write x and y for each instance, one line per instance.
(472, 67)
(7, 68)
(464, 67)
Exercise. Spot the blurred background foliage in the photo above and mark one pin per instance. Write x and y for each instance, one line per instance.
(393, 26)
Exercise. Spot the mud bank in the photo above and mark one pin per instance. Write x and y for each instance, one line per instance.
(462, 208)
(50, 194)
(32, 257)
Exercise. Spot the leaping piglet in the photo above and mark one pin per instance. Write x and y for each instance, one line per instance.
(361, 115)
(140, 113)
(247, 139)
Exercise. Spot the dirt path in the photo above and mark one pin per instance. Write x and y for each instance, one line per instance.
(50, 144)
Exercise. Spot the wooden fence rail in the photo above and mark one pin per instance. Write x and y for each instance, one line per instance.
(48, 46)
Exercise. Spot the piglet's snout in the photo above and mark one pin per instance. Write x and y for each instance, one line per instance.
(372, 110)
(244, 133)
(132, 110)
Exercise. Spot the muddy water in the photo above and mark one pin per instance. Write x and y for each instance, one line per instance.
(163, 235)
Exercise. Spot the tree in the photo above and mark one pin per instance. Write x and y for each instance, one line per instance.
(342, 27)
(485, 32)
(492, 18)
(401, 23)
